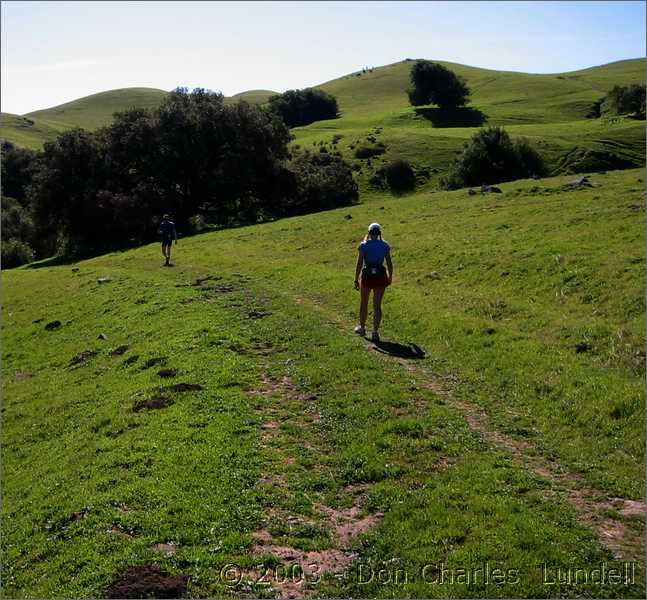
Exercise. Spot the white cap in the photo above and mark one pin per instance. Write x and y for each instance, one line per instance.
(374, 226)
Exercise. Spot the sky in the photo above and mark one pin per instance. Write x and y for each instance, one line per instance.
(54, 52)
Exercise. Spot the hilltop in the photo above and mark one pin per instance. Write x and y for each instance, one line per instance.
(550, 110)
(220, 420)
(91, 112)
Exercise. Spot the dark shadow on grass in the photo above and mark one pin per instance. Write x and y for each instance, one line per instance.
(400, 350)
(456, 117)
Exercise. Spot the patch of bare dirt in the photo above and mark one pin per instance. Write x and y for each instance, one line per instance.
(22, 376)
(167, 549)
(165, 373)
(157, 360)
(81, 357)
(119, 350)
(147, 581)
(345, 524)
(182, 387)
(152, 403)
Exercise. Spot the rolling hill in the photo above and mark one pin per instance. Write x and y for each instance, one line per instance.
(550, 110)
(216, 429)
(33, 129)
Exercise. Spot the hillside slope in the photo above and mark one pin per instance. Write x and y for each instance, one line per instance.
(550, 110)
(221, 420)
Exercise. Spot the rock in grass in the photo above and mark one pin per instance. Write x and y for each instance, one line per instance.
(103, 280)
(52, 325)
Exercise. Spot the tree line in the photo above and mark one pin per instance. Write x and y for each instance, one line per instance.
(194, 157)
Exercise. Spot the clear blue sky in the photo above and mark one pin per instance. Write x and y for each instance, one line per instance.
(53, 52)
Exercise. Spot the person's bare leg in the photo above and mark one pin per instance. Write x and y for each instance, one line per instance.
(363, 305)
(378, 294)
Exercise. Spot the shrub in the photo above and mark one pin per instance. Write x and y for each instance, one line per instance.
(15, 253)
(197, 224)
(323, 181)
(397, 175)
(622, 100)
(434, 84)
(302, 107)
(368, 151)
(492, 157)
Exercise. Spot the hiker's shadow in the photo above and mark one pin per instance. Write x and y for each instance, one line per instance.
(410, 350)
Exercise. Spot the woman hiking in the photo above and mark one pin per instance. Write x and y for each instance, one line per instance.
(370, 263)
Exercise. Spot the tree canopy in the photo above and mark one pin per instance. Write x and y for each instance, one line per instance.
(302, 107)
(434, 84)
(195, 157)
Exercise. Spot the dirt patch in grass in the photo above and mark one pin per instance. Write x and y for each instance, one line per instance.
(258, 314)
(81, 357)
(22, 376)
(152, 403)
(52, 325)
(147, 581)
(164, 373)
(200, 280)
(182, 387)
(119, 350)
(151, 362)
(346, 523)
(167, 549)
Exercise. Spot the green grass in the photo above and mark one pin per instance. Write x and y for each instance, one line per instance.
(33, 129)
(251, 96)
(536, 315)
(548, 109)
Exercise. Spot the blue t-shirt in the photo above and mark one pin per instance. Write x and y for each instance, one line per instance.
(373, 251)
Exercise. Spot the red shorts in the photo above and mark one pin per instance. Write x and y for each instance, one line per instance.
(375, 282)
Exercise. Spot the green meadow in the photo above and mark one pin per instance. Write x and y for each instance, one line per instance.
(221, 420)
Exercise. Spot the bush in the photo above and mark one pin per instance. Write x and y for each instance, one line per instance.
(302, 107)
(492, 157)
(434, 84)
(323, 181)
(398, 176)
(368, 151)
(622, 100)
(197, 224)
(15, 253)
(16, 221)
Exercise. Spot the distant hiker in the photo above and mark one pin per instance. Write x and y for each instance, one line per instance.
(168, 233)
(370, 263)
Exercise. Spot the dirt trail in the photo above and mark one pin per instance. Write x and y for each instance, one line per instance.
(343, 524)
(618, 522)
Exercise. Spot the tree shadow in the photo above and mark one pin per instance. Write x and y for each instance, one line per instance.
(455, 117)
(400, 350)
(54, 261)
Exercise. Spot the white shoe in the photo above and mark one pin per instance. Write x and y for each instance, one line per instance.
(375, 337)
(359, 330)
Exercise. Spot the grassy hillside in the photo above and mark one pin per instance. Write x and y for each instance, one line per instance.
(96, 110)
(34, 129)
(252, 96)
(219, 419)
(548, 109)
(26, 132)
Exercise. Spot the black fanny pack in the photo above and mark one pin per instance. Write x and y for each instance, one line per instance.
(373, 271)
